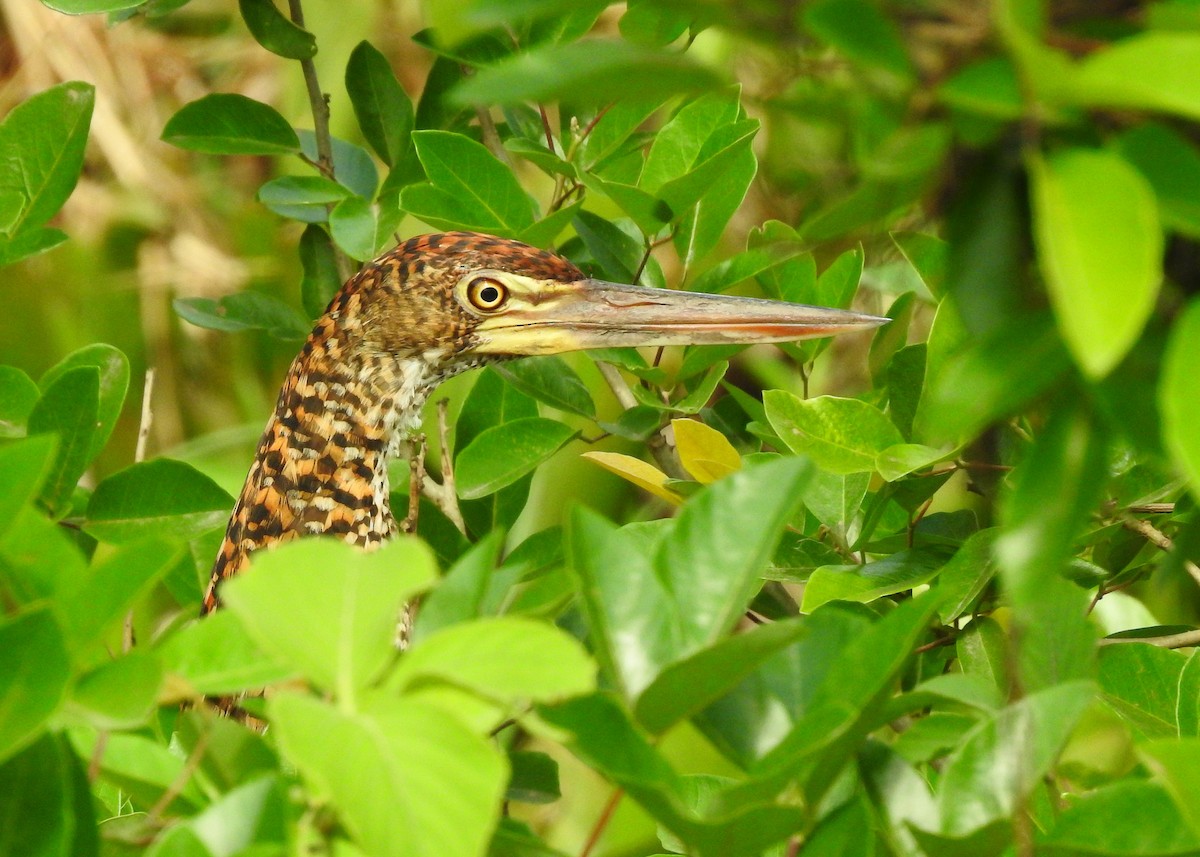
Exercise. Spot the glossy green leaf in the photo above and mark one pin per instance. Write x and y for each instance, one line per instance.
(702, 227)
(276, 32)
(1179, 395)
(41, 153)
(500, 455)
(320, 280)
(983, 651)
(899, 572)
(460, 593)
(900, 460)
(383, 109)
(1141, 683)
(689, 685)
(997, 766)
(840, 435)
(507, 659)
(33, 676)
(329, 609)
(415, 751)
(29, 243)
(836, 500)
(120, 694)
(352, 226)
(228, 124)
(305, 198)
(93, 603)
(158, 497)
(1100, 246)
(964, 577)
(69, 407)
(468, 188)
(245, 311)
(352, 164)
(551, 381)
(216, 656)
(1115, 76)
(596, 71)
(114, 384)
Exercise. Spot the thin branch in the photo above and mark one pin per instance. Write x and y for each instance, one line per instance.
(185, 773)
(1182, 640)
(657, 442)
(320, 111)
(140, 455)
(491, 137)
(416, 467)
(1157, 537)
(606, 815)
(444, 494)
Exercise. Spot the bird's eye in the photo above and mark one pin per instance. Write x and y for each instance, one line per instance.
(486, 294)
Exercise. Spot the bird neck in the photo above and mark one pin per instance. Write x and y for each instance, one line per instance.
(322, 464)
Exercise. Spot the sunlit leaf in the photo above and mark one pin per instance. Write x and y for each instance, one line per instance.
(228, 124)
(641, 473)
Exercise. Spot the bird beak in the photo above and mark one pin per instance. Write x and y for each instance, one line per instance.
(595, 314)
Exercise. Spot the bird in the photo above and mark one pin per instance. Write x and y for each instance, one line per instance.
(435, 306)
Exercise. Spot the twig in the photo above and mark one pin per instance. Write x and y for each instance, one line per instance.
(139, 455)
(189, 768)
(1157, 537)
(606, 815)
(416, 467)
(491, 137)
(443, 494)
(657, 442)
(320, 111)
(93, 770)
(1182, 640)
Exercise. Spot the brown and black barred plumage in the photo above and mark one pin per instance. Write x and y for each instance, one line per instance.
(433, 307)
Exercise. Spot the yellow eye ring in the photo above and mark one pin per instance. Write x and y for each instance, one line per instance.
(486, 294)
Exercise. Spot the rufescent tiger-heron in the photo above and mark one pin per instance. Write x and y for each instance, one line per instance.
(433, 307)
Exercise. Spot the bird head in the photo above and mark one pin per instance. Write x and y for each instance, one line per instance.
(463, 297)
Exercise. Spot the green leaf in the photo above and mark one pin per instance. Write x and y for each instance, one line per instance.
(215, 656)
(143, 768)
(1141, 684)
(506, 659)
(24, 466)
(256, 813)
(860, 31)
(1099, 822)
(534, 777)
(928, 256)
(228, 124)
(550, 380)
(690, 685)
(835, 500)
(383, 109)
(69, 407)
(114, 384)
(964, 577)
(47, 804)
(1177, 763)
(501, 455)
(352, 227)
(1002, 760)
(34, 674)
(982, 649)
(1171, 164)
(702, 227)
(1100, 246)
(275, 32)
(120, 694)
(244, 311)
(1115, 76)
(899, 572)
(1057, 487)
(750, 263)
(157, 497)
(91, 7)
(90, 605)
(1179, 395)
(29, 243)
(320, 281)
(304, 198)
(468, 187)
(677, 146)
(595, 71)
(352, 164)
(18, 395)
(840, 435)
(329, 609)
(990, 87)
(41, 154)
(713, 557)
(415, 751)
(900, 460)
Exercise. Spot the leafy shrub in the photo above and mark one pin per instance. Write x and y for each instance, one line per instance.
(935, 609)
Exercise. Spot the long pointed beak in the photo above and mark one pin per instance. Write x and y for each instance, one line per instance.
(596, 314)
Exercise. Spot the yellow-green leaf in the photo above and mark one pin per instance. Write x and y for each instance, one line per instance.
(1100, 245)
(704, 452)
(640, 473)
